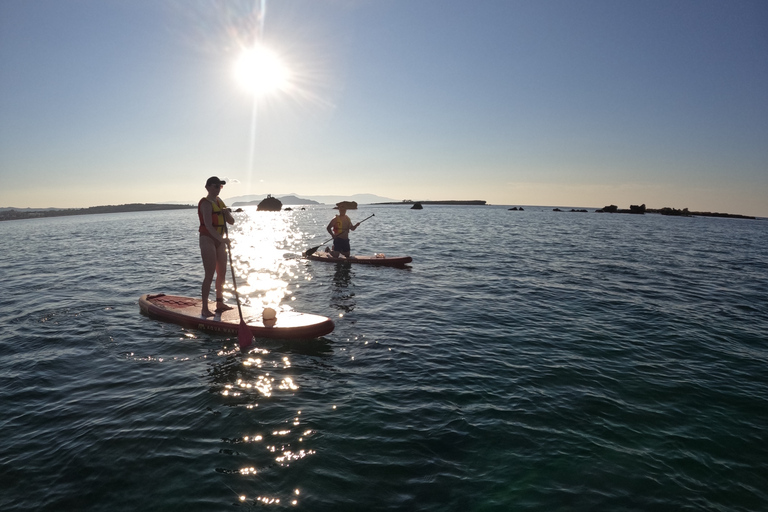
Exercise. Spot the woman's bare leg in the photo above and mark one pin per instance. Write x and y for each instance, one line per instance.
(209, 255)
(221, 275)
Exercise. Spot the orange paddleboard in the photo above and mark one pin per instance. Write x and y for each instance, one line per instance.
(186, 311)
(379, 260)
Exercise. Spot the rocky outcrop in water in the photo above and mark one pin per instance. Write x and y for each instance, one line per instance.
(639, 210)
(270, 204)
(671, 212)
(675, 212)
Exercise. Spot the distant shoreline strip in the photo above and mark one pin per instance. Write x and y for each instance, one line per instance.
(456, 203)
(135, 207)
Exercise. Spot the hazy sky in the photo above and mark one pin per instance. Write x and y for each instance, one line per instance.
(535, 102)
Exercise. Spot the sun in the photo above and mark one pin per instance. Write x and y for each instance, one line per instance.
(260, 71)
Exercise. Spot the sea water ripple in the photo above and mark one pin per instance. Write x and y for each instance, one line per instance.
(531, 360)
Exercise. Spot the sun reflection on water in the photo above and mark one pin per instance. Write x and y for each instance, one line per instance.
(260, 241)
(287, 383)
(265, 246)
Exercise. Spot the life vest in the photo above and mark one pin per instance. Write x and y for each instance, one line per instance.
(217, 216)
(338, 224)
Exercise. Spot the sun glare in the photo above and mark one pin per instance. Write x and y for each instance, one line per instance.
(260, 71)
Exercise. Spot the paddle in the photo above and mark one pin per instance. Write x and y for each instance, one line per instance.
(312, 250)
(244, 335)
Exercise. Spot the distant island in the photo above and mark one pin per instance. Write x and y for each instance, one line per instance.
(293, 200)
(455, 203)
(641, 209)
(18, 214)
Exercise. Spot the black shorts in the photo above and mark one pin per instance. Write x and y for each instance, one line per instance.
(341, 244)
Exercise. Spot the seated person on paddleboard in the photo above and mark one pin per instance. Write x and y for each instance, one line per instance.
(339, 228)
(213, 213)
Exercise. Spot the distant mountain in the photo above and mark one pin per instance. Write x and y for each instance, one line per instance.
(286, 200)
(293, 199)
(358, 198)
(8, 208)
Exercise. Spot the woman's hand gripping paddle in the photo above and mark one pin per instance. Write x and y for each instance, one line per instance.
(312, 250)
(244, 335)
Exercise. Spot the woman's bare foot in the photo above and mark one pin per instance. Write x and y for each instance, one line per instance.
(206, 312)
(221, 306)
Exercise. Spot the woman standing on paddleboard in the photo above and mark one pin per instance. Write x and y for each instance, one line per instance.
(339, 228)
(213, 213)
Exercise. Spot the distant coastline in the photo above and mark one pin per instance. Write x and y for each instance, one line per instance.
(456, 203)
(32, 213)
(18, 214)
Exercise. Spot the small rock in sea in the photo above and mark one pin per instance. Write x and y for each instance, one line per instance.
(270, 204)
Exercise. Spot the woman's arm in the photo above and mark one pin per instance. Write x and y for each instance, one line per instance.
(228, 216)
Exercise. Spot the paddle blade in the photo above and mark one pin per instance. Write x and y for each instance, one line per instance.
(311, 251)
(244, 336)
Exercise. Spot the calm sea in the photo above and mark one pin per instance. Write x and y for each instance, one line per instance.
(526, 360)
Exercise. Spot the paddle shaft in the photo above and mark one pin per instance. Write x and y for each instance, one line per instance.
(312, 250)
(232, 268)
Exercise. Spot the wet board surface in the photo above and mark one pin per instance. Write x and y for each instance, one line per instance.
(397, 261)
(186, 311)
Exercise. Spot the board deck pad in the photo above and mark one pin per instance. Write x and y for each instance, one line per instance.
(186, 311)
(381, 260)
